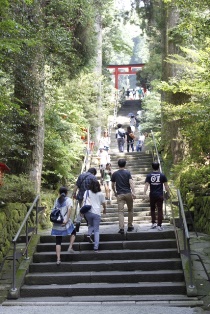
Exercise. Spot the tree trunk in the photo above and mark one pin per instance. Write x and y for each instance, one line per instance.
(29, 91)
(171, 137)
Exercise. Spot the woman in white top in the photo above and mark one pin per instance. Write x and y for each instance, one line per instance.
(95, 198)
(133, 123)
(105, 141)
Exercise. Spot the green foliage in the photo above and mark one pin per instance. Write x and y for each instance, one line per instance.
(62, 36)
(70, 108)
(193, 80)
(152, 113)
(123, 40)
(182, 29)
(17, 189)
(194, 182)
(70, 34)
(12, 144)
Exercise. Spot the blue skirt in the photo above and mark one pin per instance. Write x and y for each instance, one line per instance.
(63, 232)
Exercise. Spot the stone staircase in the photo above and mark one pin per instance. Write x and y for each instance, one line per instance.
(139, 266)
(132, 264)
(139, 164)
(142, 265)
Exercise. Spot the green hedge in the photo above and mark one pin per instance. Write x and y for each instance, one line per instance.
(195, 191)
(11, 217)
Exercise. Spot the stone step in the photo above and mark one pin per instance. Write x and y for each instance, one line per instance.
(144, 300)
(137, 214)
(40, 257)
(140, 156)
(64, 278)
(137, 206)
(130, 236)
(103, 288)
(113, 245)
(137, 220)
(107, 265)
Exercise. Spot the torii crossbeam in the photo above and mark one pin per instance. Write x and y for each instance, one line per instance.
(124, 69)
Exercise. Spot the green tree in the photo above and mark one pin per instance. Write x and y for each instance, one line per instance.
(60, 35)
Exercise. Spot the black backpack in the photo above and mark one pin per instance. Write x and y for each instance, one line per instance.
(55, 215)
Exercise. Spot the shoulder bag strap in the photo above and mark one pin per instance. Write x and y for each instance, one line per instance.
(60, 205)
(84, 179)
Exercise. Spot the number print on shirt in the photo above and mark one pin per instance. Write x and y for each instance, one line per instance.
(155, 178)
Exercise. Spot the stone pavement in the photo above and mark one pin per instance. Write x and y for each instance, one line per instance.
(88, 308)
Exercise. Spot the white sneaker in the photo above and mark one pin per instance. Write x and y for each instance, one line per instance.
(153, 226)
(160, 228)
(70, 250)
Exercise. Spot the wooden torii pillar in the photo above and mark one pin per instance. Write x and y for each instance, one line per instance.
(124, 69)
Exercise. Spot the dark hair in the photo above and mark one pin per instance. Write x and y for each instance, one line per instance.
(155, 165)
(119, 125)
(129, 129)
(95, 187)
(63, 192)
(92, 170)
(108, 164)
(121, 163)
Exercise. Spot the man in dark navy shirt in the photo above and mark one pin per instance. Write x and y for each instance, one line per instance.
(156, 180)
(82, 184)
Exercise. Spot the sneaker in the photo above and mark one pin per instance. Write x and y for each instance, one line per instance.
(130, 229)
(90, 240)
(58, 263)
(153, 226)
(160, 228)
(70, 250)
(121, 231)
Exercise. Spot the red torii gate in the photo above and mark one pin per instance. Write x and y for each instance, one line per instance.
(123, 69)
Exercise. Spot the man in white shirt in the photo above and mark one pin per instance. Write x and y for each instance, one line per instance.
(103, 158)
(120, 136)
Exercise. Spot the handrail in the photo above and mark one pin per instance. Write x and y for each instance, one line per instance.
(14, 241)
(181, 207)
(186, 237)
(190, 217)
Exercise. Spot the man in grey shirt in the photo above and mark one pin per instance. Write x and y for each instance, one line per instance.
(123, 188)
